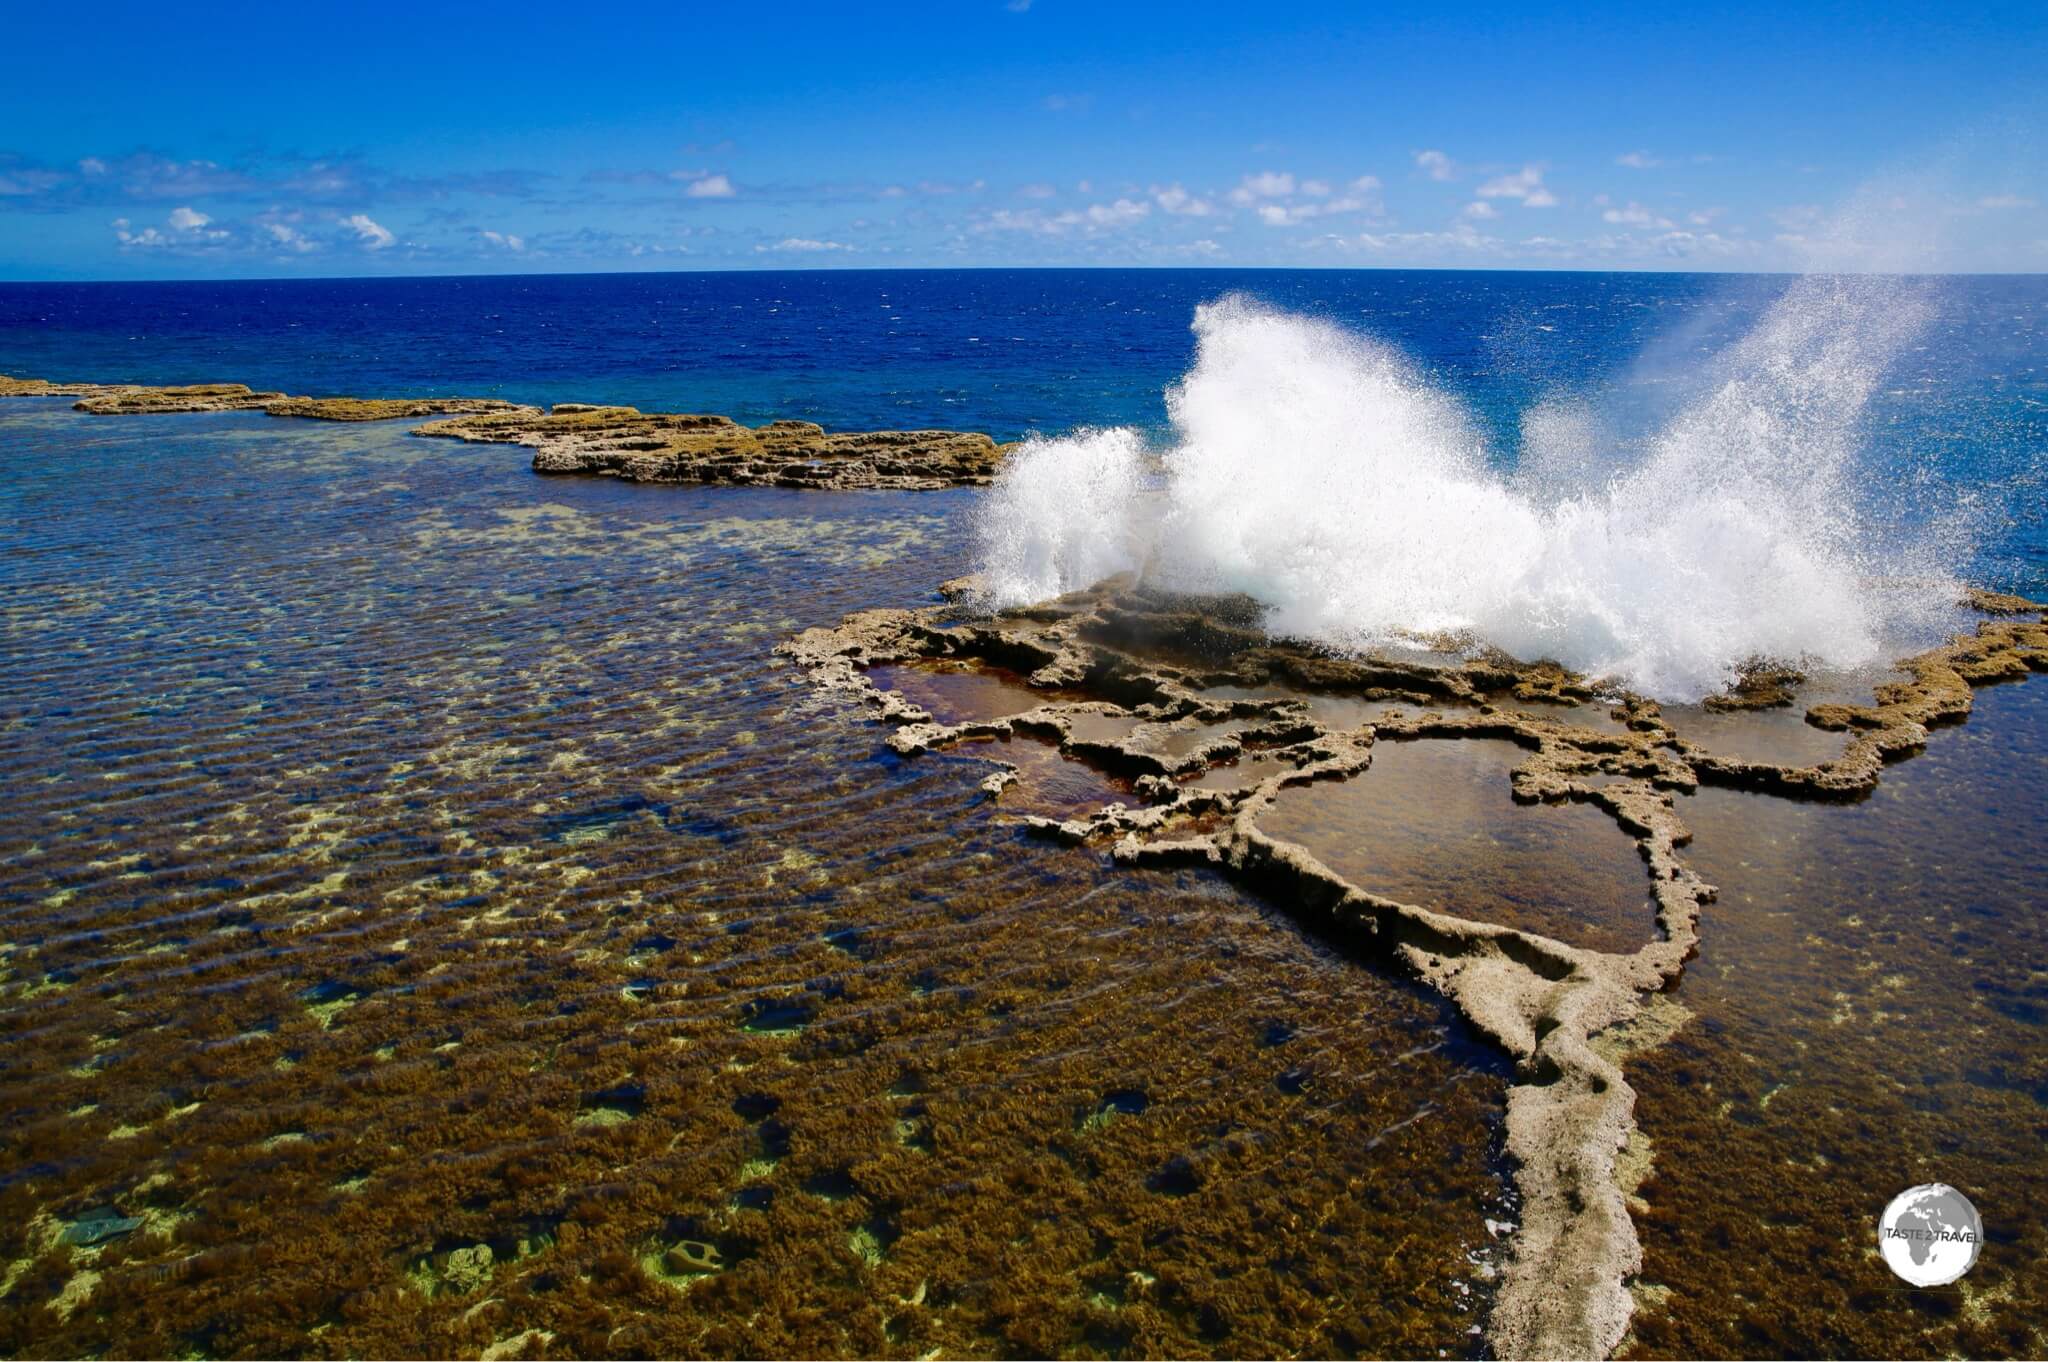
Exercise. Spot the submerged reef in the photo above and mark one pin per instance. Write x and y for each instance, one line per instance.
(621, 442)
(1213, 723)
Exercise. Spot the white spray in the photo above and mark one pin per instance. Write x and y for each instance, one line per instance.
(1317, 471)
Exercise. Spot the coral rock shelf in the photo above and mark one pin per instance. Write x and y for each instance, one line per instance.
(620, 442)
(1156, 688)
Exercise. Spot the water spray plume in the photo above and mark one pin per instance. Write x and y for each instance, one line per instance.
(1318, 471)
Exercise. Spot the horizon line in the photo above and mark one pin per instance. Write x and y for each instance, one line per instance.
(1020, 269)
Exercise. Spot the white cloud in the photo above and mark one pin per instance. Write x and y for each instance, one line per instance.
(1267, 184)
(1038, 191)
(1362, 197)
(710, 187)
(1481, 210)
(289, 237)
(1638, 160)
(1462, 237)
(1095, 218)
(1635, 215)
(505, 239)
(92, 165)
(1176, 200)
(1525, 184)
(374, 236)
(147, 239)
(1436, 165)
(188, 228)
(805, 244)
(1119, 214)
(1316, 189)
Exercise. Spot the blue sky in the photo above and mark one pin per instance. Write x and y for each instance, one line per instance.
(158, 142)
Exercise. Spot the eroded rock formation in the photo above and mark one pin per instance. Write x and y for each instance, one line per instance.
(621, 442)
(1567, 1015)
(638, 446)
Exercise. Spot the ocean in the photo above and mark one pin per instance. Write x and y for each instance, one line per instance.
(432, 919)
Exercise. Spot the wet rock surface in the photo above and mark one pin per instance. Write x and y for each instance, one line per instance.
(646, 447)
(624, 442)
(125, 399)
(619, 442)
(1566, 1014)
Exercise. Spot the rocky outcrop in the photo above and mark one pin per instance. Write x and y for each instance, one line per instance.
(624, 442)
(619, 442)
(134, 399)
(386, 408)
(1568, 1015)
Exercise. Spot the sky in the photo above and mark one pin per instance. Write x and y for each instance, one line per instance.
(314, 140)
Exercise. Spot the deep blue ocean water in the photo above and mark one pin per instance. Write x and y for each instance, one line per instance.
(1011, 352)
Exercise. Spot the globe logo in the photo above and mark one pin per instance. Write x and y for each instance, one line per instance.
(1930, 1234)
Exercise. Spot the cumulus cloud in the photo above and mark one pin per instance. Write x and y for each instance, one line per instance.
(185, 229)
(1462, 238)
(1267, 184)
(1638, 160)
(804, 244)
(1176, 200)
(1634, 215)
(1525, 184)
(1360, 196)
(505, 240)
(1436, 165)
(288, 237)
(147, 239)
(372, 234)
(1089, 221)
(710, 187)
(1118, 214)
(1481, 210)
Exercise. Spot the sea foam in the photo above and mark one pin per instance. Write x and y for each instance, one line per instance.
(1318, 471)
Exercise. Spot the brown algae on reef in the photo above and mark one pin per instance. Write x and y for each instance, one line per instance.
(1560, 980)
(566, 891)
(479, 952)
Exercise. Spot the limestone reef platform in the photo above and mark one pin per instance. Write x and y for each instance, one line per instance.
(1211, 722)
(606, 441)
